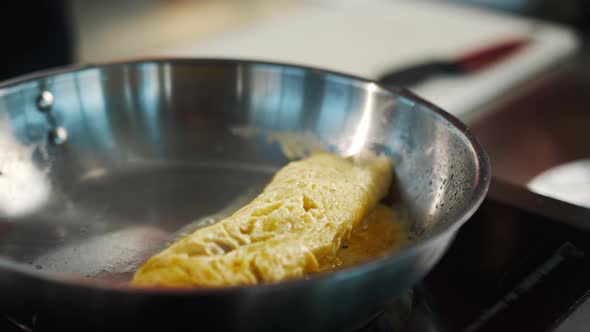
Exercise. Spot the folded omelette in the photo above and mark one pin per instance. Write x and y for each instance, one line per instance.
(301, 217)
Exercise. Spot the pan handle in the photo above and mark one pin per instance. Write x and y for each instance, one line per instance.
(417, 73)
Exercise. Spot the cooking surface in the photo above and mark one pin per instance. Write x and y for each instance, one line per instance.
(511, 267)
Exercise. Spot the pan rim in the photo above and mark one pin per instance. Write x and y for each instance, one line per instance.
(478, 192)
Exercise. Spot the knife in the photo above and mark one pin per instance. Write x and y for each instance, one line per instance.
(465, 64)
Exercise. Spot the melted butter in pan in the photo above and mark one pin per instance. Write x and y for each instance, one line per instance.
(379, 234)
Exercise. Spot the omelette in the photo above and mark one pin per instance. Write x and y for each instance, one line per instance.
(300, 219)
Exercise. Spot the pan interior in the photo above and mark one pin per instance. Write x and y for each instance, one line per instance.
(118, 218)
(153, 146)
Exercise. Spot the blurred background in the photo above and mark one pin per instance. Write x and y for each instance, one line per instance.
(68, 31)
(529, 107)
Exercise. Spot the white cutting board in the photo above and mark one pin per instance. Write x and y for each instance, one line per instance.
(367, 37)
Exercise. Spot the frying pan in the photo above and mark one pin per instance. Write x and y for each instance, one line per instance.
(102, 165)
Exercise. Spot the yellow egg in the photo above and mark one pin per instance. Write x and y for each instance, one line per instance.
(300, 218)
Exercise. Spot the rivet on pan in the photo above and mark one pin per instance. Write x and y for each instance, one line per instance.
(58, 135)
(44, 101)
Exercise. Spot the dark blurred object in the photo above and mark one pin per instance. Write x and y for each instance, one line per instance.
(36, 35)
(464, 64)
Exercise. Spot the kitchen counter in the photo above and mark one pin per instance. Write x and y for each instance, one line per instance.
(365, 38)
(370, 37)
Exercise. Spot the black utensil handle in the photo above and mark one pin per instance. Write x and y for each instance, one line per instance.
(417, 73)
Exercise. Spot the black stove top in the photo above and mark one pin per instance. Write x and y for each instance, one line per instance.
(522, 263)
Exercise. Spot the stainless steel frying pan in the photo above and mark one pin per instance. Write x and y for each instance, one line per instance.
(102, 165)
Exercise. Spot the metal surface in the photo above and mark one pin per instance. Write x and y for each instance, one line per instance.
(44, 101)
(522, 198)
(152, 146)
